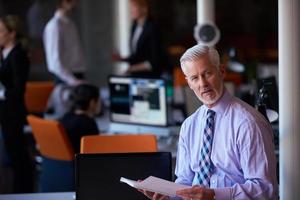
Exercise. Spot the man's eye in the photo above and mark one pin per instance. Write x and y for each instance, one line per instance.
(194, 78)
(207, 74)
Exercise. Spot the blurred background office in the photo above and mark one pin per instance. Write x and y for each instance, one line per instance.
(251, 30)
(248, 41)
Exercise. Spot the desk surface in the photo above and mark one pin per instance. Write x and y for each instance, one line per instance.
(39, 196)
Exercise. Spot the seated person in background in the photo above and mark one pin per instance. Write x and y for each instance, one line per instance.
(79, 121)
(59, 102)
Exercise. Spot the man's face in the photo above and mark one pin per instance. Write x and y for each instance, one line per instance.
(136, 11)
(69, 4)
(205, 79)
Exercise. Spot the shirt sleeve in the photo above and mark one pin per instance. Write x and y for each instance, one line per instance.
(182, 170)
(53, 50)
(258, 164)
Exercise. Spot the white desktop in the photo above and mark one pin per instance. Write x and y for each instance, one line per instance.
(119, 128)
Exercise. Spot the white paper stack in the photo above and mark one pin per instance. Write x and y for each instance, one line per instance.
(157, 185)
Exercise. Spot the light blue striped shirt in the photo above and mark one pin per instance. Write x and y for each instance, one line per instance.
(242, 152)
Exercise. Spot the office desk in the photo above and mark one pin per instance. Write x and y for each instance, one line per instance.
(167, 137)
(119, 128)
(39, 196)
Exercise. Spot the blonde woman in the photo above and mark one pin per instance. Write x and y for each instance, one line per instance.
(14, 69)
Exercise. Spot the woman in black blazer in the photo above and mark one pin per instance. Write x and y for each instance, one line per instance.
(147, 58)
(14, 69)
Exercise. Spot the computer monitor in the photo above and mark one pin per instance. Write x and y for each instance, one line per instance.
(138, 100)
(98, 175)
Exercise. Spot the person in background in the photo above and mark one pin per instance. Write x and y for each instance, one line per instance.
(38, 14)
(147, 57)
(14, 70)
(63, 50)
(225, 149)
(80, 120)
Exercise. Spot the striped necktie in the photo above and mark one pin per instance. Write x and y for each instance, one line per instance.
(205, 162)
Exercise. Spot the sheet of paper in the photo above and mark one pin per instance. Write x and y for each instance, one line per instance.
(132, 183)
(157, 185)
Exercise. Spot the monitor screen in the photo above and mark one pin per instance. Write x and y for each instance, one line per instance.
(98, 175)
(138, 100)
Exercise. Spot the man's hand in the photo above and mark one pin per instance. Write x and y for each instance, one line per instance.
(139, 67)
(196, 193)
(116, 57)
(154, 196)
(79, 82)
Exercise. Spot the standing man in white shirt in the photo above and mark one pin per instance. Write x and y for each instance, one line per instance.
(62, 46)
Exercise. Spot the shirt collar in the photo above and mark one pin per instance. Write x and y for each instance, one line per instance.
(6, 51)
(222, 103)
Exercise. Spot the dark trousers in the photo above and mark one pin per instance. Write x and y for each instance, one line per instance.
(18, 153)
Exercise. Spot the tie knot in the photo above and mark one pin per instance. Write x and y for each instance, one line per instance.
(210, 113)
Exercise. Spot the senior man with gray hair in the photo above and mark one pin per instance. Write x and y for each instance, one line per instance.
(225, 148)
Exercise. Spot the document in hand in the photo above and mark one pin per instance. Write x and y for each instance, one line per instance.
(154, 184)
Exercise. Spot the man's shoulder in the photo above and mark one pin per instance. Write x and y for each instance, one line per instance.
(245, 112)
(53, 23)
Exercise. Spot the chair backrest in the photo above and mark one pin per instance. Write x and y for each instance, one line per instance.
(118, 143)
(98, 175)
(178, 77)
(51, 138)
(37, 95)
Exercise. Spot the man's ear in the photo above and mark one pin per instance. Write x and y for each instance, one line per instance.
(188, 83)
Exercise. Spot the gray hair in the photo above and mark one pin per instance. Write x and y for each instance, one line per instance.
(197, 51)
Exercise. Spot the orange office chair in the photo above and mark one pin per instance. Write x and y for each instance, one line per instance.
(180, 84)
(57, 153)
(178, 77)
(52, 139)
(37, 94)
(118, 143)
